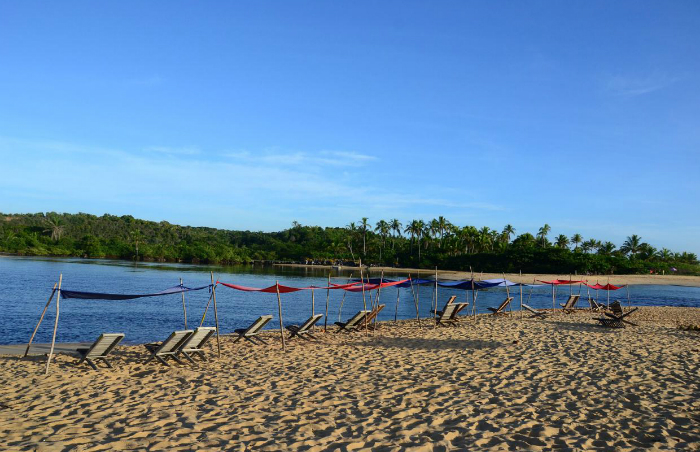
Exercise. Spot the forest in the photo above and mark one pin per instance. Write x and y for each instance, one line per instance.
(419, 243)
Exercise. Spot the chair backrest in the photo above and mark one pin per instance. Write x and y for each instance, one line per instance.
(257, 325)
(450, 301)
(310, 322)
(373, 314)
(104, 344)
(571, 302)
(530, 309)
(447, 312)
(356, 318)
(458, 308)
(199, 338)
(174, 341)
(616, 308)
(505, 303)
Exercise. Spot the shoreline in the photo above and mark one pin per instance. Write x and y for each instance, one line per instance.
(527, 278)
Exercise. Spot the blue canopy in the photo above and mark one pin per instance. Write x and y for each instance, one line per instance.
(112, 296)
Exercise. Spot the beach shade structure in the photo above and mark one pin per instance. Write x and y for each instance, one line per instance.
(608, 287)
(58, 291)
(559, 282)
(100, 349)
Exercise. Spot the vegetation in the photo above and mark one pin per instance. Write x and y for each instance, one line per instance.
(416, 244)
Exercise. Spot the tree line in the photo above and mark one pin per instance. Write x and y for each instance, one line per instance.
(419, 243)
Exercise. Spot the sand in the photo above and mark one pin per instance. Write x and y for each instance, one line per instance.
(678, 280)
(497, 383)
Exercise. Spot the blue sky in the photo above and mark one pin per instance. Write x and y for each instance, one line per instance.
(250, 115)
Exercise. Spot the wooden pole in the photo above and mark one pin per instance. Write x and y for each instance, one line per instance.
(184, 308)
(415, 302)
(396, 312)
(340, 311)
(629, 302)
(313, 305)
(55, 323)
(53, 291)
(608, 292)
(510, 308)
(435, 307)
(364, 300)
(376, 300)
(553, 297)
(206, 308)
(473, 294)
(328, 296)
(279, 310)
(216, 316)
(520, 281)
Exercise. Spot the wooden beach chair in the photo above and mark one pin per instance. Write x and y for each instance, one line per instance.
(595, 306)
(353, 323)
(193, 345)
(372, 316)
(535, 313)
(616, 318)
(100, 349)
(304, 331)
(251, 333)
(501, 309)
(444, 316)
(169, 348)
(570, 305)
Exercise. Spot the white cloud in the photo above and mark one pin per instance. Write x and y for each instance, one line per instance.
(186, 150)
(632, 86)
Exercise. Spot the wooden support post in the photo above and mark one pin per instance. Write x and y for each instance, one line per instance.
(520, 281)
(435, 308)
(184, 308)
(216, 315)
(396, 312)
(53, 291)
(510, 308)
(473, 294)
(415, 302)
(313, 306)
(364, 301)
(608, 293)
(55, 323)
(340, 311)
(376, 300)
(629, 302)
(279, 310)
(328, 296)
(206, 308)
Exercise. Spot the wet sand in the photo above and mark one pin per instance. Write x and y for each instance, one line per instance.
(497, 383)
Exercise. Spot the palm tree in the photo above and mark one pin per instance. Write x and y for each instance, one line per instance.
(606, 248)
(420, 230)
(136, 236)
(484, 239)
(632, 245)
(542, 234)
(576, 239)
(411, 229)
(351, 230)
(664, 254)
(54, 227)
(562, 241)
(383, 230)
(363, 227)
(508, 230)
(589, 245)
(395, 226)
(443, 224)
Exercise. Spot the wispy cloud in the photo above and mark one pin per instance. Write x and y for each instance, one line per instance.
(295, 158)
(631, 86)
(186, 150)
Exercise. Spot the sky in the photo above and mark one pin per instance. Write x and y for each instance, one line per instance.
(583, 115)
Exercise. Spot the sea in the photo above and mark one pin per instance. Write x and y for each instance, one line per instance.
(26, 284)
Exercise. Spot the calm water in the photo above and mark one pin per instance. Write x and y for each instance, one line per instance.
(25, 284)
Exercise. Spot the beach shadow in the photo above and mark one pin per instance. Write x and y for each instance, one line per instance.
(429, 344)
(582, 327)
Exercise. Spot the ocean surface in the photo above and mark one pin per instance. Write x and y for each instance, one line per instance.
(25, 285)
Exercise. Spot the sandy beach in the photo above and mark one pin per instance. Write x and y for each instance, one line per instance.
(497, 384)
(528, 278)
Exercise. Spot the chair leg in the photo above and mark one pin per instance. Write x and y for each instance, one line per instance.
(107, 363)
(92, 364)
(161, 360)
(186, 355)
(173, 356)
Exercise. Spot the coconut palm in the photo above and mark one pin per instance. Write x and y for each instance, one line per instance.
(562, 241)
(382, 228)
(606, 248)
(508, 230)
(54, 226)
(576, 239)
(395, 226)
(542, 234)
(363, 227)
(631, 245)
(351, 232)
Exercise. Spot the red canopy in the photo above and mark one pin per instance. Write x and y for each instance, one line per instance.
(352, 287)
(557, 282)
(597, 286)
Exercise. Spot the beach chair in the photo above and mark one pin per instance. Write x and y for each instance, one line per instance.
(595, 306)
(570, 305)
(444, 316)
(535, 313)
(100, 349)
(501, 309)
(193, 345)
(353, 323)
(304, 331)
(169, 348)
(251, 333)
(372, 316)
(616, 318)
